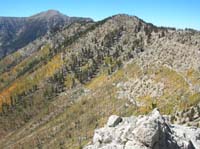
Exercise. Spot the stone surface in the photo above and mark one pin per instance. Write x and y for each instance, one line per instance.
(152, 131)
(114, 120)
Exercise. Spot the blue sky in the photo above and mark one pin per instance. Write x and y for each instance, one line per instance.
(173, 13)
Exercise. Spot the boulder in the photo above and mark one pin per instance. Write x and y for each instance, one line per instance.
(114, 120)
(152, 131)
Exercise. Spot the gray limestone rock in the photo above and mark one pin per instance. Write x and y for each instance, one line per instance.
(152, 131)
(114, 120)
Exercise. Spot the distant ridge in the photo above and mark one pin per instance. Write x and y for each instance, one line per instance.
(16, 32)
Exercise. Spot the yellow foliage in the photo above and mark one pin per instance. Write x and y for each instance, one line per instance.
(171, 79)
(28, 81)
(193, 76)
(69, 81)
(98, 81)
(194, 99)
(12, 74)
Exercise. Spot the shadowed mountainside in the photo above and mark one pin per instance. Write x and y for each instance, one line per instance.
(18, 32)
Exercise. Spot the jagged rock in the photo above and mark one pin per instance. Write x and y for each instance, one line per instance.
(114, 120)
(153, 131)
(147, 129)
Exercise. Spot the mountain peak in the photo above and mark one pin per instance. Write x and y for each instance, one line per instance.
(52, 12)
(15, 32)
(48, 14)
(126, 16)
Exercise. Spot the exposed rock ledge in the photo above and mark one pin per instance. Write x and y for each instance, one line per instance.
(153, 131)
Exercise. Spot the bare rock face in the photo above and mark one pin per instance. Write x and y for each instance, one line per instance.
(114, 120)
(145, 132)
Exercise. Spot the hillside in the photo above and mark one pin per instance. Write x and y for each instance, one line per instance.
(57, 89)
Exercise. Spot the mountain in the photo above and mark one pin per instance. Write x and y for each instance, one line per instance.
(18, 32)
(56, 90)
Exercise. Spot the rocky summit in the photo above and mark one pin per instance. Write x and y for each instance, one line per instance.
(152, 131)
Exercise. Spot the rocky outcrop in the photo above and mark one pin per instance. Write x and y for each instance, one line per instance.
(153, 131)
(190, 116)
(114, 120)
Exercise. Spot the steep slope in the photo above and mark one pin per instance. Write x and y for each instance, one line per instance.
(18, 32)
(56, 93)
